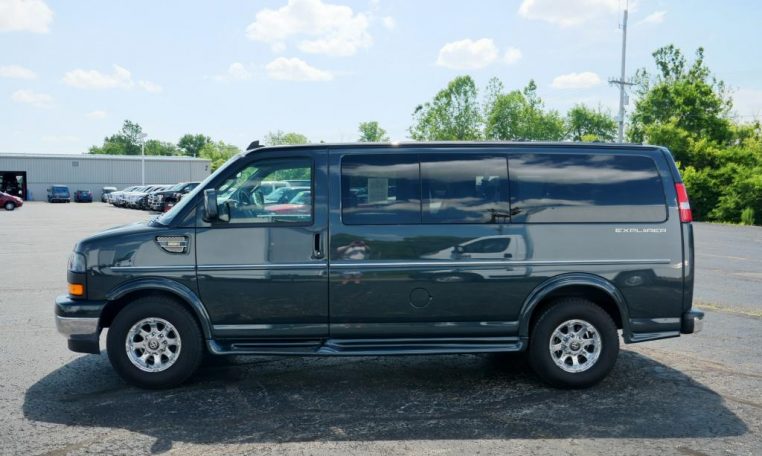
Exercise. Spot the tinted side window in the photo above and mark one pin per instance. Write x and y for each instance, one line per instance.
(380, 190)
(547, 188)
(465, 189)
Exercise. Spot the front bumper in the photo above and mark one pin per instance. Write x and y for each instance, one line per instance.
(692, 322)
(78, 320)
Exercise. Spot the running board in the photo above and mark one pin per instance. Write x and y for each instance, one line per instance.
(366, 347)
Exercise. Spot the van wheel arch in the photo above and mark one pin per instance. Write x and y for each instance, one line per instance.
(594, 288)
(121, 300)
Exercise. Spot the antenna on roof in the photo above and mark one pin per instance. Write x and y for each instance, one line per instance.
(254, 145)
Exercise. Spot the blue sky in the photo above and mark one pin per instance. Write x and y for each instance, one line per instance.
(72, 71)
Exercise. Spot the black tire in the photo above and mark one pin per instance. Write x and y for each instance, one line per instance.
(563, 310)
(191, 349)
(9, 206)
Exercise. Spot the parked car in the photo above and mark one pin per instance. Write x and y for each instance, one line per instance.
(104, 193)
(58, 193)
(10, 202)
(157, 200)
(138, 199)
(284, 194)
(423, 248)
(117, 198)
(301, 203)
(83, 196)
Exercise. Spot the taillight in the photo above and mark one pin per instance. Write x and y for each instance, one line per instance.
(683, 204)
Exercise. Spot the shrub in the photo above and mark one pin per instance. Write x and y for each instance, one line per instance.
(747, 216)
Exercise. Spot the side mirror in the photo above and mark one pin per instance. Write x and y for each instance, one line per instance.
(210, 205)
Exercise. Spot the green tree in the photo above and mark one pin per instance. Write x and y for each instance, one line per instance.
(586, 124)
(156, 147)
(125, 142)
(372, 132)
(218, 152)
(683, 96)
(521, 115)
(685, 108)
(191, 145)
(453, 114)
(279, 138)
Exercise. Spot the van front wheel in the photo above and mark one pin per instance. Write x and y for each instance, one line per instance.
(155, 342)
(574, 344)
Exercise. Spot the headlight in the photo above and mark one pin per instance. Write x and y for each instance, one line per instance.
(77, 262)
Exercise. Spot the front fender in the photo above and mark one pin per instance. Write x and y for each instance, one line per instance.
(547, 287)
(170, 286)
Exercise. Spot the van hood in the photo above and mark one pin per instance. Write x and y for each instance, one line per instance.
(131, 230)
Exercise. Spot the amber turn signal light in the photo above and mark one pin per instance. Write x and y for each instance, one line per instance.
(76, 289)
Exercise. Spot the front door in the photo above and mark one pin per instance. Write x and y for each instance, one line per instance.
(261, 267)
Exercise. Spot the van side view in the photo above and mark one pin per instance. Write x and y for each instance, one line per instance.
(424, 248)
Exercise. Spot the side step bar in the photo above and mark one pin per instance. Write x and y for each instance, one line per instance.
(366, 347)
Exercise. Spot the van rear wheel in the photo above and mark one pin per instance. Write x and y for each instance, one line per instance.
(154, 342)
(574, 344)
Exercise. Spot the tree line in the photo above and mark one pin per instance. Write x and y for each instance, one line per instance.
(680, 105)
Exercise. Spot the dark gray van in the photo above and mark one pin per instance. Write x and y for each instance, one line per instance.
(424, 248)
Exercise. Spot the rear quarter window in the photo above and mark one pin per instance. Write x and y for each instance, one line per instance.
(579, 188)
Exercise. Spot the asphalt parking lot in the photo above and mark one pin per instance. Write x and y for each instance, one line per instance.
(694, 395)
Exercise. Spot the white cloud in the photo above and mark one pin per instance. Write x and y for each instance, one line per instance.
(25, 16)
(294, 69)
(150, 87)
(16, 72)
(471, 54)
(512, 55)
(326, 28)
(657, 17)
(748, 103)
(97, 114)
(389, 22)
(468, 54)
(37, 99)
(120, 78)
(583, 80)
(567, 12)
(237, 71)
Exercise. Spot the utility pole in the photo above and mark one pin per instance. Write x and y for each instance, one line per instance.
(622, 82)
(143, 158)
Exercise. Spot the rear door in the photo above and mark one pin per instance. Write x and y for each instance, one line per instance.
(262, 273)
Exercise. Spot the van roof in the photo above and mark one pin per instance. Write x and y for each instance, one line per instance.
(464, 144)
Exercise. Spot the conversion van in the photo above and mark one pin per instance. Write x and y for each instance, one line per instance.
(426, 248)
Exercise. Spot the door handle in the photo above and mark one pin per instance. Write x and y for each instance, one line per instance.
(317, 247)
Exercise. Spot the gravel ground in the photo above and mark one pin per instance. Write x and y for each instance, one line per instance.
(694, 395)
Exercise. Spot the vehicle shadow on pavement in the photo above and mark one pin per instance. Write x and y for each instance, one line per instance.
(268, 399)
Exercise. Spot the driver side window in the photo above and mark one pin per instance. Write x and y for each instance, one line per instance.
(277, 191)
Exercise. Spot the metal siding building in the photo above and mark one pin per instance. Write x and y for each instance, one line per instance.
(92, 172)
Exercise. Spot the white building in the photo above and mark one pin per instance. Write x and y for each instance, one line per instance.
(29, 175)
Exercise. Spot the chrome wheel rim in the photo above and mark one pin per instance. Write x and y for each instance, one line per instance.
(575, 346)
(153, 344)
